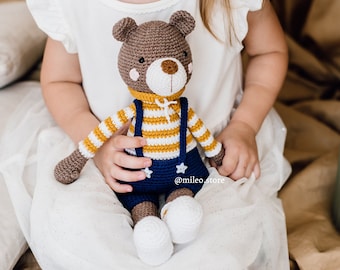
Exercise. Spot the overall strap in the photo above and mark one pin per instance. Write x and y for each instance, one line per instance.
(183, 127)
(183, 130)
(138, 125)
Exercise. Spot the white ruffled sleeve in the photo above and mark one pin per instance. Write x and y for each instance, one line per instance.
(240, 9)
(49, 16)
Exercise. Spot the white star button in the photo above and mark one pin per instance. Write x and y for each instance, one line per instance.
(148, 172)
(181, 168)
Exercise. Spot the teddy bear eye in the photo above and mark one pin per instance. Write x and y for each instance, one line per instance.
(141, 60)
(185, 53)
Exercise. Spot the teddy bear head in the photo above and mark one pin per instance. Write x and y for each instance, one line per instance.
(155, 56)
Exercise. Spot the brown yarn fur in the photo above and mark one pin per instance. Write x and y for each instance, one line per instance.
(68, 170)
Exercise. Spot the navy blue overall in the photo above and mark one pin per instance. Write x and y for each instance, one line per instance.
(163, 177)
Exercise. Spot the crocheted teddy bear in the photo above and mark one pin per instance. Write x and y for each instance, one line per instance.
(155, 62)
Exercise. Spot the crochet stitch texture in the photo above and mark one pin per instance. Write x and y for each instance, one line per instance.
(161, 128)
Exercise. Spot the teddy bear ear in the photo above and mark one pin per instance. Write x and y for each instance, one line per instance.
(183, 21)
(123, 28)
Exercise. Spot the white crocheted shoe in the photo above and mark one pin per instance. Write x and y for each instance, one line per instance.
(183, 217)
(152, 240)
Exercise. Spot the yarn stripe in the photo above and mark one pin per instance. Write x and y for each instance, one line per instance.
(116, 121)
(122, 116)
(163, 148)
(130, 111)
(210, 147)
(214, 151)
(89, 146)
(197, 126)
(167, 140)
(99, 134)
(155, 128)
(85, 153)
(160, 120)
(157, 112)
(110, 125)
(164, 155)
(206, 138)
(149, 98)
(209, 144)
(156, 134)
(94, 140)
(191, 115)
(105, 130)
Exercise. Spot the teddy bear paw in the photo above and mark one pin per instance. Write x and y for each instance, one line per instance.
(183, 217)
(152, 240)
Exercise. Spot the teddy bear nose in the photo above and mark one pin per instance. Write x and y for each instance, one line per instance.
(169, 67)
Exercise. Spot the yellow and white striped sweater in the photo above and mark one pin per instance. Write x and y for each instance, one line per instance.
(161, 128)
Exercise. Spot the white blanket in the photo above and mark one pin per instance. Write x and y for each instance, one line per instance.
(83, 225)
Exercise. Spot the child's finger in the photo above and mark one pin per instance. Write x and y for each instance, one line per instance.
(120, 142)
(118, 187)
(229, 164)
(124, 129)
(122, 174)
(124, 160)
(239, 172)
(257, 171)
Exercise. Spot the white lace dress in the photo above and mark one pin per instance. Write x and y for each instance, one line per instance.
(83, 225)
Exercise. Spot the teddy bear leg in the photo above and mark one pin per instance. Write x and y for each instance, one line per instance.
(142, 210)
(183, 214)
(151, 235)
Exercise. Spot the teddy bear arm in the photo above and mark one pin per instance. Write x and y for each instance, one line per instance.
(69, 169)
(212, 148)
(108, 127)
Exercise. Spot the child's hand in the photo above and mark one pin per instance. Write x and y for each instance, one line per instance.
(241, 157)
(111, 160)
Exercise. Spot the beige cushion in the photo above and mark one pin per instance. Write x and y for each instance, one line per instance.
(21, 42)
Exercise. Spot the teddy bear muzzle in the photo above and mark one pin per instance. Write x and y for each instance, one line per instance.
(166, 76)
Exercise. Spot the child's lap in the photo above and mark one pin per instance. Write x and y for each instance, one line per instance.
(90, 229)
(83, 225)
